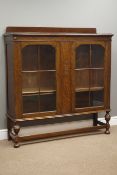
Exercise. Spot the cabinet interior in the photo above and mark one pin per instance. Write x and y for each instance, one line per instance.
(38, 78)
(89, 75)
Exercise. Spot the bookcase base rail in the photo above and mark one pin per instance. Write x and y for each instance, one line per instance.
(17, 139)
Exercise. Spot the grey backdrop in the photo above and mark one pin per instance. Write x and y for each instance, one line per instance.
(101, 14)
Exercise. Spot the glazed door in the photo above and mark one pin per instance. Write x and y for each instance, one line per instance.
(88, 72)
(40, 71)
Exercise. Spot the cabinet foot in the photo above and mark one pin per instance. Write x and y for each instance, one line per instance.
(16, 130)
(16, 145)
(107, 118)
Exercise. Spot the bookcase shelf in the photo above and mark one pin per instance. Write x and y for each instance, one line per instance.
(89, 89)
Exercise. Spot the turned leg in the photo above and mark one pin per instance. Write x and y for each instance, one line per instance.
(95, 119)
(16, 130)
(107, 118)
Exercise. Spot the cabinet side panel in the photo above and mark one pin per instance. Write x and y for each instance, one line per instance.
(10, 80)
(18, 79)
(108, 74)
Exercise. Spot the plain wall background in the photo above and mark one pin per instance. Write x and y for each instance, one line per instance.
(62, 13)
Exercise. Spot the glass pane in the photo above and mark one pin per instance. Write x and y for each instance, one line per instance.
(83, 56)
(89, 76)
(47, 81)
(47, 102)
(30, 103)
(47, 57)
(82, 79)
(81, 99)
(97, 78)
(97, 98)
(30, 58)
(38, 78)
(30, 82)
(97, 56)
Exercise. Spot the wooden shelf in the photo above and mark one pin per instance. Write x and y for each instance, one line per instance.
(42, 92)
(34, 71)
(50, 70)
(29, 91)
(30, 71)
(93, 68)
(88, 89)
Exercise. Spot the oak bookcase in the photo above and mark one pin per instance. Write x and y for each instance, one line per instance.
(56, 73)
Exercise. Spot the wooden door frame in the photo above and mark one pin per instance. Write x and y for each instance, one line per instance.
(77, 44)
(18, 46)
